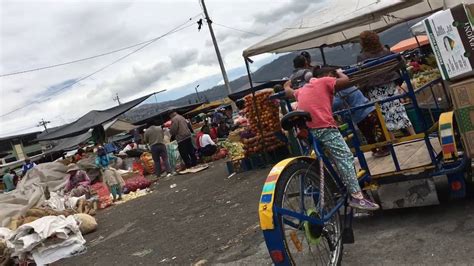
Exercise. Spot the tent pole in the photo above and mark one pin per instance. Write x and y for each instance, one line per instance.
(321, 49)
(417, 42)
(254, 103)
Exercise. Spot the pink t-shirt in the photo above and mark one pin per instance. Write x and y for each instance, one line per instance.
(316, 98)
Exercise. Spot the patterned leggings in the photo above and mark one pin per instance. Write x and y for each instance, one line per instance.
(332, 141)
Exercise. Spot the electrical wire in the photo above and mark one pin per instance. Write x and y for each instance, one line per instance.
(224, 26)
(174, 30)
(18, 130)
(86, 58)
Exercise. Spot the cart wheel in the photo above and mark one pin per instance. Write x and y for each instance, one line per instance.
(297, 190)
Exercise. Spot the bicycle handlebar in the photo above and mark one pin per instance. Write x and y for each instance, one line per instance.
(278, 95)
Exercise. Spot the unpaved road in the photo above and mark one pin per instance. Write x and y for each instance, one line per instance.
(208, 216)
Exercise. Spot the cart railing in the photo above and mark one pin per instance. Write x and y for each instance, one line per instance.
(359, 150)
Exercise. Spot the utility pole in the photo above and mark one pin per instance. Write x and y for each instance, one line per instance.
(218, 53)
(43, 123)
(117, 99)
(197, 94)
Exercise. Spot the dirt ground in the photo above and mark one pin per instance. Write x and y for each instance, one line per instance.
(211, 217)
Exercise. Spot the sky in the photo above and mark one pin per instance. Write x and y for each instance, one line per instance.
(42, 33)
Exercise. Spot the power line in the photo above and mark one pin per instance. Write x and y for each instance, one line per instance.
(174, 30)
(84, 59)
(249, 32)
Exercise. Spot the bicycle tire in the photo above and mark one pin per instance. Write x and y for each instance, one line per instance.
(284, 180)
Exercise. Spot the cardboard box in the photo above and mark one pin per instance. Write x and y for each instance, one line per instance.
(462, 93)
(465, 119)
(468, 143)
(465, 123)
(451, 36)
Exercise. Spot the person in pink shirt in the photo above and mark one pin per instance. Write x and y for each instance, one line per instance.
(316, 98)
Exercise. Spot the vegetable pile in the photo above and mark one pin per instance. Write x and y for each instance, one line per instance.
(235, 149)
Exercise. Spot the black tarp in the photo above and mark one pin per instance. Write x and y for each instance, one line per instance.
(245, 90)
(68, 144)
(90, 120)
(164, 115)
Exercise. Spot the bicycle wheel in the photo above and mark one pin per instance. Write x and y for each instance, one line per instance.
(307, 244)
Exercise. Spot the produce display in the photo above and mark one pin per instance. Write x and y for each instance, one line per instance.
(424, 76)
(270, 122)
(235, 149)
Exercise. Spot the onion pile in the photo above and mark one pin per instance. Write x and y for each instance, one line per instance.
(269, 118)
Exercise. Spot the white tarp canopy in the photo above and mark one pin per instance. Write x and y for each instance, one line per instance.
(341, 21)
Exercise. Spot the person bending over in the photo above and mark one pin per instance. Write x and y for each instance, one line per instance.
(316, 98)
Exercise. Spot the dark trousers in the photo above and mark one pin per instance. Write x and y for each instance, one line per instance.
(209, 150)
(158, 151)
(371, 128)
(187, 152)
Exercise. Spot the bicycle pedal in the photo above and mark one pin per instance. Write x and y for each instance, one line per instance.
(348, 236)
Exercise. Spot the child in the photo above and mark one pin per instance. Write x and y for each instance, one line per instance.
(316, 98)
(110, 176)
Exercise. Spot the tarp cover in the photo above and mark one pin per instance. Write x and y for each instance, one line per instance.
(164, 115)
(90, 120)
(341, 21)
(30, 190)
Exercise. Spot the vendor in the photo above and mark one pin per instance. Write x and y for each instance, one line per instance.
(130, 146)
(222, 130)
(204, 142)
(78, 182)
(384, 86)
(80, 154)
(213, 131)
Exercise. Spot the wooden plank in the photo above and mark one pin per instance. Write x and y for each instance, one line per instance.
(409, 155)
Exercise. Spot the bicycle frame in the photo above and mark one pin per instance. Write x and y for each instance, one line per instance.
(440, 165)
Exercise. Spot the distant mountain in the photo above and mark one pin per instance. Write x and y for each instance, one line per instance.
(277, 69)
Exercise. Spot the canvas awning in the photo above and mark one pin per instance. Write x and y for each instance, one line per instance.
(341, 21)
(90, 120)
(207, 107)
(112, 128)
(410, 44)
(247, 89)
(164, 115)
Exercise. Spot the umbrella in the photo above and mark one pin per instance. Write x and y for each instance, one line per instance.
(410, 44)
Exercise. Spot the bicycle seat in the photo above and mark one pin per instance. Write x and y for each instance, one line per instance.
(295, 119)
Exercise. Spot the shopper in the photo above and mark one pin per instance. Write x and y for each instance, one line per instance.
(179, 130)
(316, 98)
(110, 176)
(154, 137)
(384, 85)
(8, 180)
(307, 56)
(27, 166)
(301, 74)
(78, 182)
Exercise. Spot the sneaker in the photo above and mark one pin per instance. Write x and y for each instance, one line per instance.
(363, 204)
(381, 153)
(168, 175)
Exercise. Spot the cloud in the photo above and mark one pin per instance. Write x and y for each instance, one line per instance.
(42, 33)
(292, 8)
